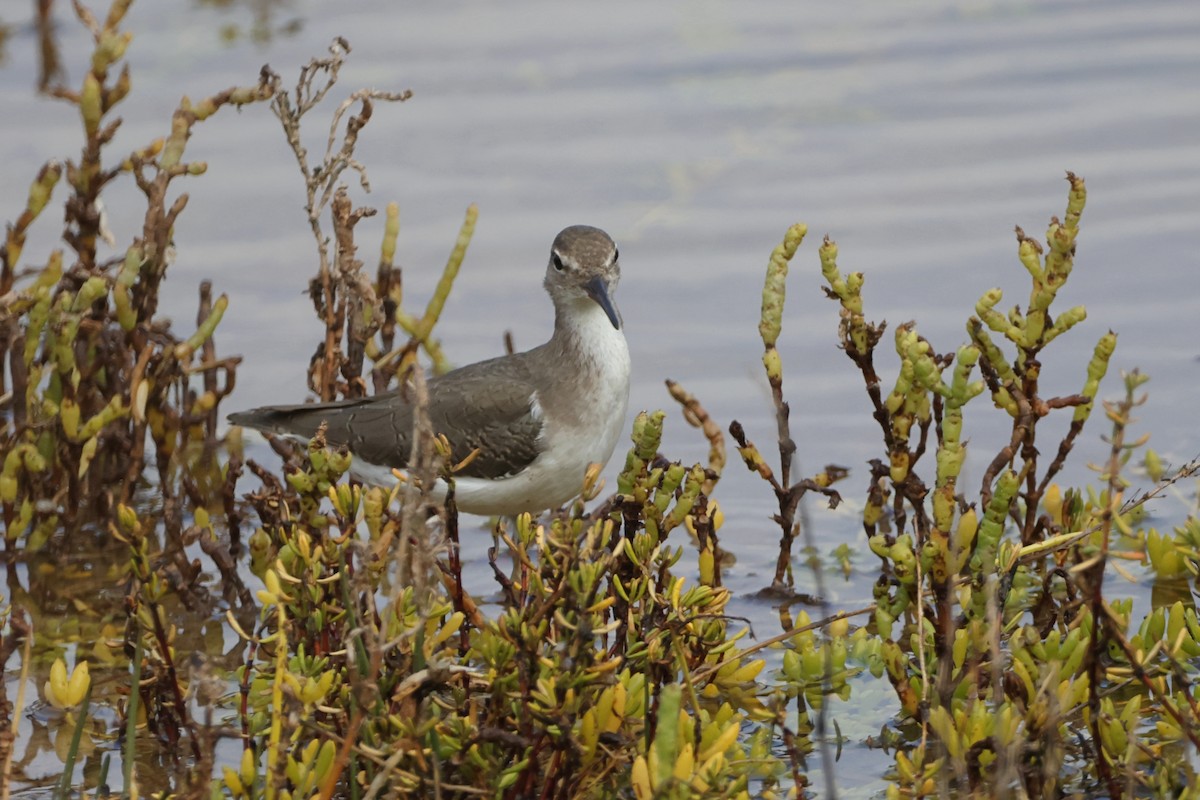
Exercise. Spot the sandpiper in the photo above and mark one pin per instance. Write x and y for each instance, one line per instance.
(538, 418)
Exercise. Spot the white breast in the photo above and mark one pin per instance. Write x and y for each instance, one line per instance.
(581, 428)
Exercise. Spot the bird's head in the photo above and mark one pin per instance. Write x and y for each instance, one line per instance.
(583, 268)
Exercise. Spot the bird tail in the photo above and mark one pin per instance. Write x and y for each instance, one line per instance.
(302, 420)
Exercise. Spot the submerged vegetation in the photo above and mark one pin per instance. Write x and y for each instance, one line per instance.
(339, 652)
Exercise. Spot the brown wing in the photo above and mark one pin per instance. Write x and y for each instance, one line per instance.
(486, 405)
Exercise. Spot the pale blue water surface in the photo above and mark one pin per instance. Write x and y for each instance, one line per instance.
(916, 134)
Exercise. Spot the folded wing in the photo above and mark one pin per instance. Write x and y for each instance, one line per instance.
(489, 406)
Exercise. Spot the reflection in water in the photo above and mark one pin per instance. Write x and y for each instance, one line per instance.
(264, 23)
(72, 596)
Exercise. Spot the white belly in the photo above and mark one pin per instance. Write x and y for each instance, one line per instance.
(557, 474)
(553, 478)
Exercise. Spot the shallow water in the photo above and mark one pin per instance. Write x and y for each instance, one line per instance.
(915, 134)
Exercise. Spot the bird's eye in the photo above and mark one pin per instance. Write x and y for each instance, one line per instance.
(616, 254)
(558, 262)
